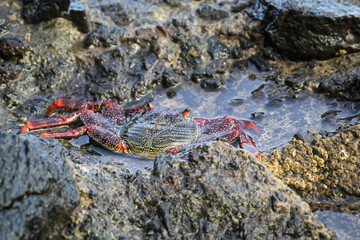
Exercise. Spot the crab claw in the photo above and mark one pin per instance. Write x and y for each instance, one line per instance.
(174, 150)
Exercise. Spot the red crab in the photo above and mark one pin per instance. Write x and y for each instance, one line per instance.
(144, 133)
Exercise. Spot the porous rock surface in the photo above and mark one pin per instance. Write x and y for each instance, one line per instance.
(215, 190)
(323, 168)
(304, 30)
(37, 191)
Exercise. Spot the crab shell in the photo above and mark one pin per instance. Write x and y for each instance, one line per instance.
(158, 131)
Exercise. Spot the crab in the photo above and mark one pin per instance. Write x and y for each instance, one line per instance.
(144, 132)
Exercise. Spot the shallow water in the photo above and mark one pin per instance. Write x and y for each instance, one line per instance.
(345, 225)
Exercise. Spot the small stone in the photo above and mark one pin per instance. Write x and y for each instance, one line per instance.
(212, 12)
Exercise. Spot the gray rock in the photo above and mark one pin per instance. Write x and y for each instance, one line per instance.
(212, 12)
(12, 46)
(215, 190)
(36, 11)
(309, 29)
(37, 191)
(342, 84)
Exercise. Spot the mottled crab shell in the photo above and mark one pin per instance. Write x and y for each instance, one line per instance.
(159, 130)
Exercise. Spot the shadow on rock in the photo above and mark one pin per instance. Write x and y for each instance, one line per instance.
(37, 191)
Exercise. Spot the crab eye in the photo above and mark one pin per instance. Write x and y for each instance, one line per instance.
(186, 112)
(149, 106)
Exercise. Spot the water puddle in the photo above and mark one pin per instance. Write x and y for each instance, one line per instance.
(345, 225)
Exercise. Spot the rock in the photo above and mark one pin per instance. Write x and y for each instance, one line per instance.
(169, 79)
(212, 12)
(37, 191)
(216, 49)
(211, 83)
(240, 5)
(257, 115)
(104, 36)
(322, 167)
(304, 30)
(12, 46)
(342, 85)
(214, 190)
(79, 17)
(260, 63)
(36, 11)
(202, 73)
(9, 72)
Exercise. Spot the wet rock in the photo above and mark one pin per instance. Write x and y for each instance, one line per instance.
(342, 85)
(36, 11)
(240, 5)
(211, 83)
(169, 79)
(216, 49)
(12, 46)
(294, 83)
(119, 12)
(330, 116)
(173, 3)
(260, 63)
(37, 191)
(212, 12)
(79, 17)
(304, 30)
(105, 36)
(215, 190)
(236, 101)
(257, 115)
(323, 168)
(170, 93)
(241, 65)
(9, 72)
(202, 73)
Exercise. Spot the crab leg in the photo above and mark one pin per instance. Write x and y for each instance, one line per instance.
(72, 133)
(246, 142)
(51, 122)
(74, 104)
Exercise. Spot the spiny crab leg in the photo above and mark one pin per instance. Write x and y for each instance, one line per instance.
(74, 104)
(101, 135)
(77, 132)
(246, 142)
(51, 122)
(114, 112)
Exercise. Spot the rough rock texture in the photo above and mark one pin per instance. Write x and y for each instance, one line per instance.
(323, 168)
(304, 30)
(215, 190)
(37, 191)
(36, 11)
(344, 85)
(12, 46)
